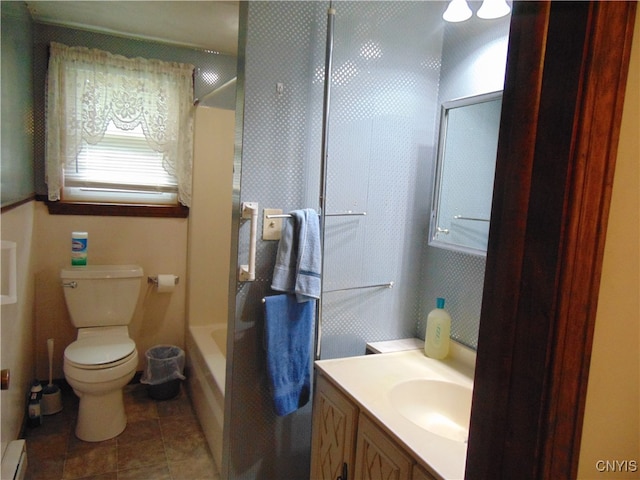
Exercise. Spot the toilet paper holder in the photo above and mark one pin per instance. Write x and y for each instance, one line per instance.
(153, 279)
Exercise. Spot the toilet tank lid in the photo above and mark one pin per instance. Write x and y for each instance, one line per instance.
(102, 271)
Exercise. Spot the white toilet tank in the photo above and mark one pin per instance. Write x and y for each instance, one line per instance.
(101, 295)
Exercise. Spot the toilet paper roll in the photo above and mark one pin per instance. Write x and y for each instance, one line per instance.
(166, 283)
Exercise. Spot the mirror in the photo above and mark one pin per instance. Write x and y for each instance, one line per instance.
(464, 173)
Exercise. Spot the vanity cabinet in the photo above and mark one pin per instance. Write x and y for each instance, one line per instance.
(420, 474)
(347, 445)
(334, 428)
(377, 456)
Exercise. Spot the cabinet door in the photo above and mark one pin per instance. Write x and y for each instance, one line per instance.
(377, 456)
(333, 436)
(420, 474)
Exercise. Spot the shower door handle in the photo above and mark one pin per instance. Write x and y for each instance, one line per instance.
(247, 273)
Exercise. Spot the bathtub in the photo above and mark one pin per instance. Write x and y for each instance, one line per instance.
(206, 364)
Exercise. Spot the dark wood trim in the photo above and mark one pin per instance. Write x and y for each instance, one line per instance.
(117, 210)
(11, 206)
(562, 107)
(593, 156)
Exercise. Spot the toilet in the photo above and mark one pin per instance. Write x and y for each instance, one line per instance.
(101, 300)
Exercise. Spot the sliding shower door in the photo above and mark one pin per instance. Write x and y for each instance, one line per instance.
(383, 112)
(280, 83)
(380, 151)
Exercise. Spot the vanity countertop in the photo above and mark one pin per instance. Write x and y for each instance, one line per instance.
(368, 380)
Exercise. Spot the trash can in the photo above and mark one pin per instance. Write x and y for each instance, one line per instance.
(165, 364)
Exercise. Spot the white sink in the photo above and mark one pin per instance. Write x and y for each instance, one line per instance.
(442, 408)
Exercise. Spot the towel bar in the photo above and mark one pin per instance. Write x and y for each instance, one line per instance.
(378, 285)
(386, 285)
(345, 214)
(475, 219)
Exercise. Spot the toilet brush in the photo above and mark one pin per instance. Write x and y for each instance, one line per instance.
(51, 397)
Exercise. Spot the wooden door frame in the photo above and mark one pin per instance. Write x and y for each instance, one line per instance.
(562, 107)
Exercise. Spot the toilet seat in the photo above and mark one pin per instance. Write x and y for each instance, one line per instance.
(99, 352)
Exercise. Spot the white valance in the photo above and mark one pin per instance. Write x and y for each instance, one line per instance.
(88, 89)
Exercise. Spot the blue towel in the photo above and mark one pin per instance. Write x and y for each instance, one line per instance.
(299, 261)
(288, 335)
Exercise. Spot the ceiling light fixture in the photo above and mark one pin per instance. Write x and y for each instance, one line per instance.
(491, 9)
(457, 11)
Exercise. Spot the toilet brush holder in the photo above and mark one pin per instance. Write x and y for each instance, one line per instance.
(51, 401)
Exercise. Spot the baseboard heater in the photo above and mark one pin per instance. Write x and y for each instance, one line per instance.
(14, 461)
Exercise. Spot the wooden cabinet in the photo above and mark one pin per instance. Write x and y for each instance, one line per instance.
(420, 474)
(377, 456)
(347, 445)
(333, 442)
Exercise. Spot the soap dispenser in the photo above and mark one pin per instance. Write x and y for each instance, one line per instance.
(436, 339)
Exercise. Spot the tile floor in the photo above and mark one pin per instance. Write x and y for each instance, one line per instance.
(163, 441)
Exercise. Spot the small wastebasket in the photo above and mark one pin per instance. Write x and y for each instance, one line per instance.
(165, 364)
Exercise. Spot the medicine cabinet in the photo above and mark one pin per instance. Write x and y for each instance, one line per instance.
(464, 173)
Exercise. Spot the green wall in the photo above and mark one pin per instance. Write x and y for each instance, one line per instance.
(16, 162)
(221, 66)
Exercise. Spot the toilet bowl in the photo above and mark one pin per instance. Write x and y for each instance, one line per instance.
(97, 367)
(103, 359)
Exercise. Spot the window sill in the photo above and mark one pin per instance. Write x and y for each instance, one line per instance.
(116, 210)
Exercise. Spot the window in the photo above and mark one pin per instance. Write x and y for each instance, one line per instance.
(120, 168)
(119, 130)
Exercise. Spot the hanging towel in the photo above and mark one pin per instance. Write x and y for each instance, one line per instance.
(299, 260)
(288, 343)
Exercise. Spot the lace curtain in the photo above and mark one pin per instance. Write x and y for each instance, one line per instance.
(89, 88)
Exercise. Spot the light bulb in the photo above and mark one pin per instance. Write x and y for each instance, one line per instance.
(457, 11)
(493, 9)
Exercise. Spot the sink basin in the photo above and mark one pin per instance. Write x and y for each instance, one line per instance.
(442, 408)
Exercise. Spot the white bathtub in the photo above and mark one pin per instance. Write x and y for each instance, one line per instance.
(206, 363)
